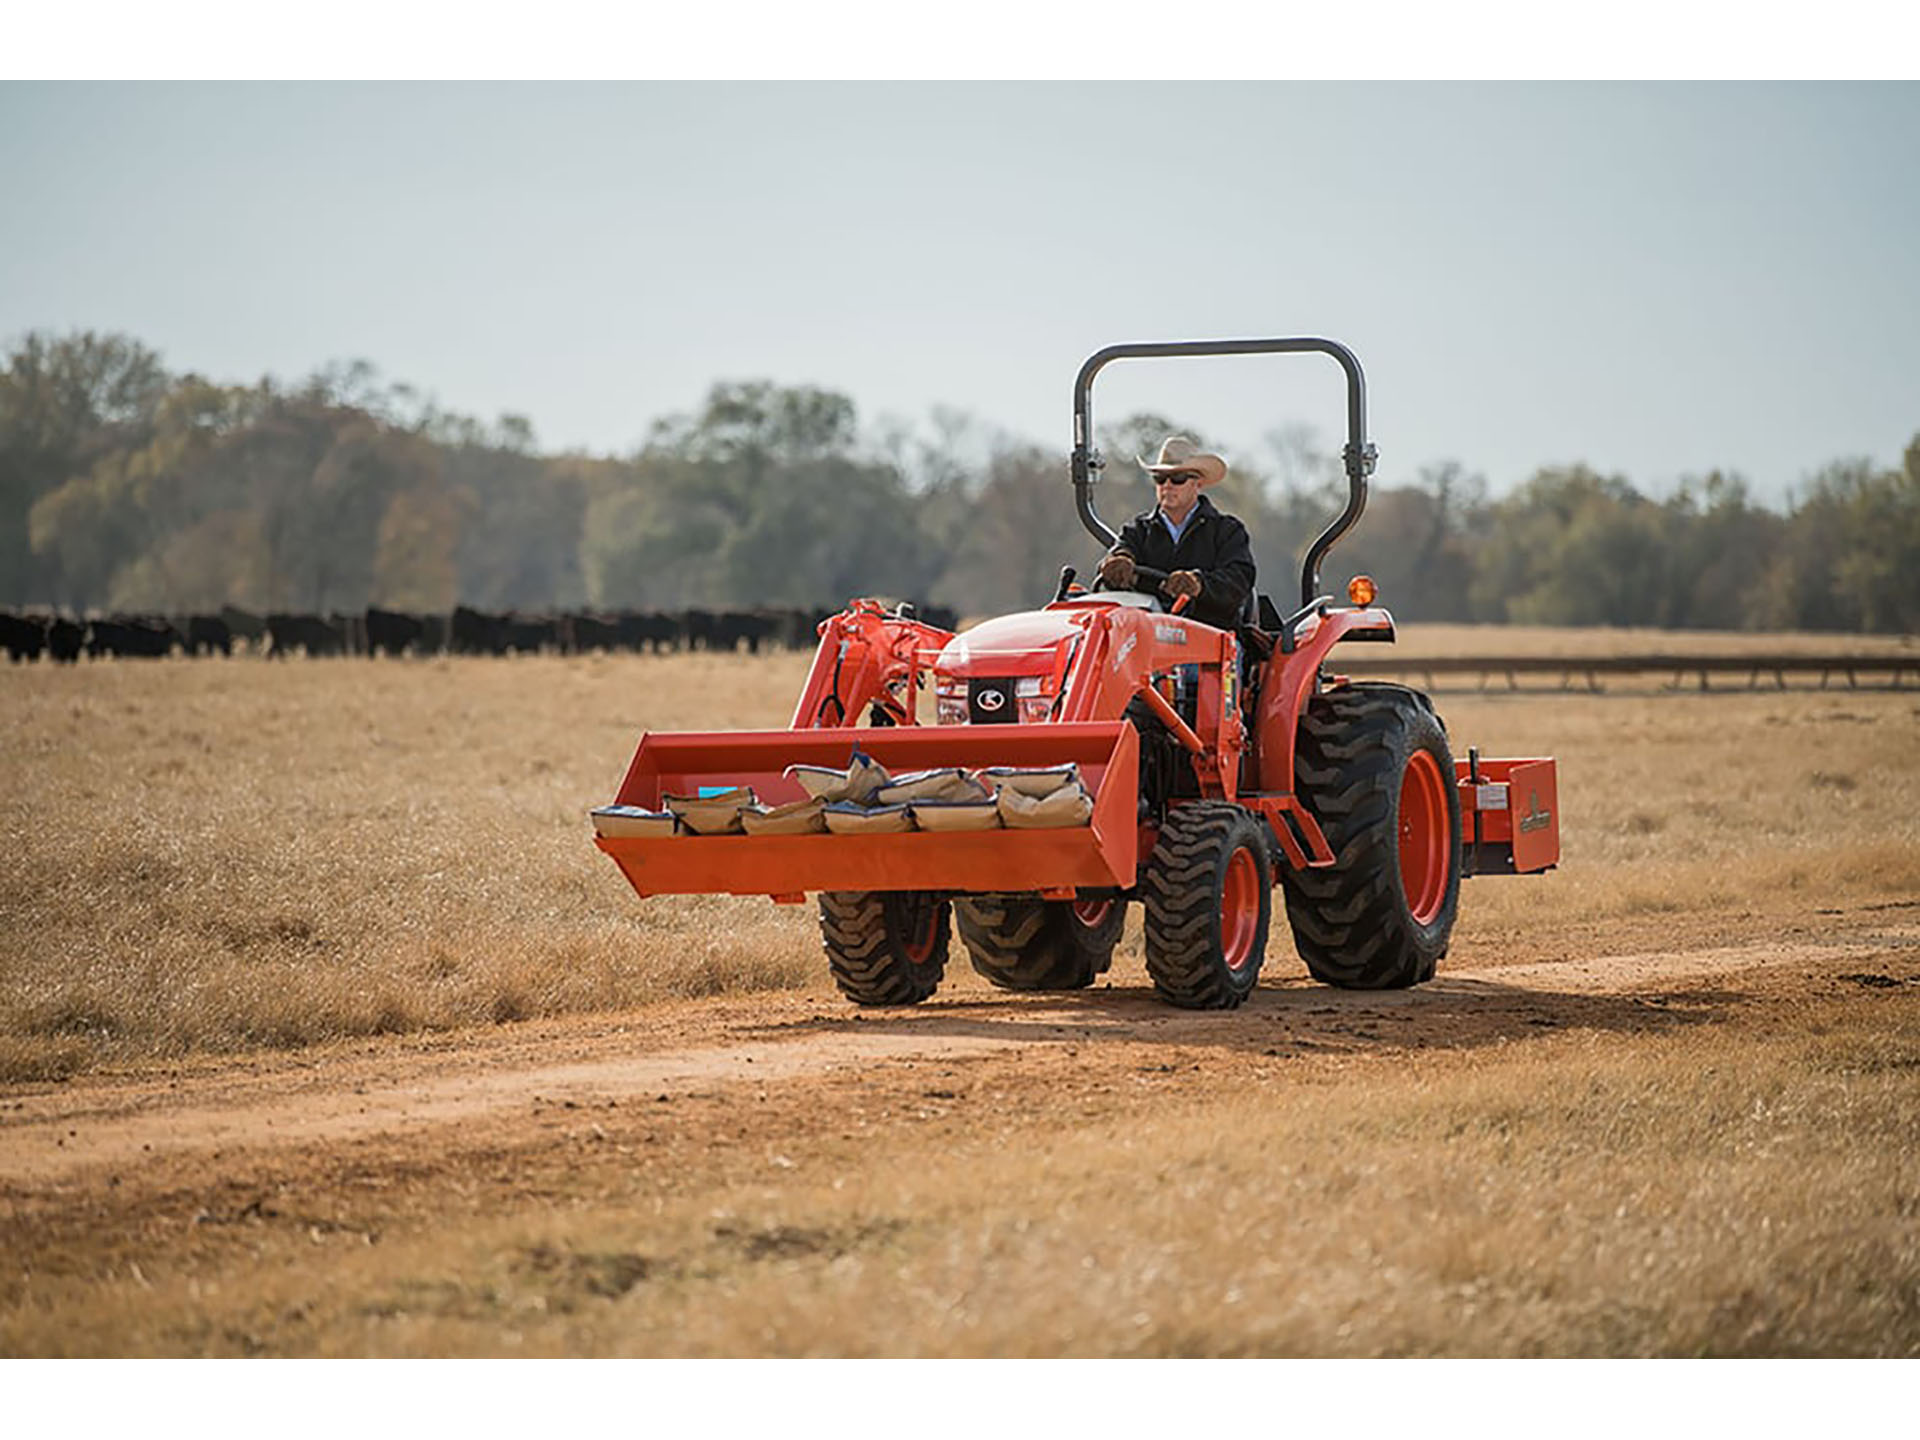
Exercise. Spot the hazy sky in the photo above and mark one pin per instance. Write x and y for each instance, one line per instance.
(1653, 279)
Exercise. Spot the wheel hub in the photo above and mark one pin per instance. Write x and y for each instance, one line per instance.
(1423, 837)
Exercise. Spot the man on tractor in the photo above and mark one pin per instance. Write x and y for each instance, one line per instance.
(1185, 545)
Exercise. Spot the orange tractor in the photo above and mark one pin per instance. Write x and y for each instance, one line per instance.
(1206, 762)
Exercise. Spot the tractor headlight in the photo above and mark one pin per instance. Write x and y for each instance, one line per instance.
(1033, 699)
(950, 702)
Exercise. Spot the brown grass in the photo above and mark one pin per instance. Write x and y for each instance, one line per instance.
(210, 857)
(1747, 1189)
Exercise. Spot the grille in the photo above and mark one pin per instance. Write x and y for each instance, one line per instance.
(990, 701)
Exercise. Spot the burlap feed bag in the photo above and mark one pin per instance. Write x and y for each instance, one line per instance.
(1069, 805)
(857, 783)
(1031, 780)
(846, 818)
(716, 814)
(627, 822)
(796, 817)
(950, 783)
(948, 815)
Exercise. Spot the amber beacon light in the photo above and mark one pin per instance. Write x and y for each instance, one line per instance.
(1361, 590)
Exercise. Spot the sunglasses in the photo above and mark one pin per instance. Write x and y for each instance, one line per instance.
(1182, 478)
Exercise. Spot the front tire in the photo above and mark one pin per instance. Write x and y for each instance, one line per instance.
(1209, 900)
(1374, 768)
(1020, 942)
(885, 947)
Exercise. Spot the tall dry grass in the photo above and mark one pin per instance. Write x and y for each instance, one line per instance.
(209, 856)
(206, 856)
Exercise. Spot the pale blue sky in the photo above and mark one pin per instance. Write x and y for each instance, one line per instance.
(1654, 279)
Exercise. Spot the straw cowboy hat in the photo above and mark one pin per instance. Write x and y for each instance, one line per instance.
(1180, 453)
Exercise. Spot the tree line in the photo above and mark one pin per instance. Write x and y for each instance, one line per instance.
(125, 487)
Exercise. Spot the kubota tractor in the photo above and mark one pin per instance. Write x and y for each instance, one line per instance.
(1216, 760)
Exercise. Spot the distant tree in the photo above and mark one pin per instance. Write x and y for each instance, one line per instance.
(1416, 542)
(1723, 547)
(1851, 555)
(1021, 531)
(520, 544)
(65, 402)
(1572, 547)
(652, 538)
(751, 425)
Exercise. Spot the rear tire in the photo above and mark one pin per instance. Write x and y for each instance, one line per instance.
(885, 947)
(1020, 942)
(1374, 768)
(1209, 900)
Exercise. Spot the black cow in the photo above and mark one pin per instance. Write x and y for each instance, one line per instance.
(243, 624)
(65, 639)
(941, 617)
(697, 626)
(287, 633)
(25, 636)
(797, 629)
(530, 634)
(651, 630)
(731, 627)
(582, 633)
(391, 632)
(352, 630)
(208, 633)
(474, 632)
(143, 637)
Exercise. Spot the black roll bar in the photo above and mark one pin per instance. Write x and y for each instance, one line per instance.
(1357, 456)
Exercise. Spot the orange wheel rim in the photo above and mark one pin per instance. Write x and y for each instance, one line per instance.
(1424, 851)
(924, 929)
(1088, 914)
(1239, 909)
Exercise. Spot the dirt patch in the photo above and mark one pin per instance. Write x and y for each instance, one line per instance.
(755, 1042)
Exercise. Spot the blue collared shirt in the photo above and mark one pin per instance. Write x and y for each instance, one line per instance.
(1176, 531)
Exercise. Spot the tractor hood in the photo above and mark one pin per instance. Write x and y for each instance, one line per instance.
(1025, 643)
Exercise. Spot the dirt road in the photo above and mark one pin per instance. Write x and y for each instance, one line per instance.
(719, 1047)
(281, 1205)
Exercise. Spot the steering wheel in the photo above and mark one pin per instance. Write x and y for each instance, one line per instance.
(1146, 584)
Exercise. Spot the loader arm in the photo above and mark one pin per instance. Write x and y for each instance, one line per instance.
(869, 659)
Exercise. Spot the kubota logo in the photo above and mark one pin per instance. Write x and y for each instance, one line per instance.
(992, 699)
(1535, 818)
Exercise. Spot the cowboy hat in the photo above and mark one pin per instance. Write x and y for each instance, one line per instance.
(1180, 453)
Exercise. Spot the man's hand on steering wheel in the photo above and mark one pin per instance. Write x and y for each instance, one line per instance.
(1182, 582)
(1116, 571)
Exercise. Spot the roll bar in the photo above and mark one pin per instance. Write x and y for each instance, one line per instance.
(1358, 455)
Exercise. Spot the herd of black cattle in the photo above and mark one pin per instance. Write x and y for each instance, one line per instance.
(394, 632)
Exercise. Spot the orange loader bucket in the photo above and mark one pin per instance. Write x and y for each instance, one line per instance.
(1102, 853)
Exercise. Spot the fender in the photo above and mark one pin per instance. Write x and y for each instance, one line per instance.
(1293, 678)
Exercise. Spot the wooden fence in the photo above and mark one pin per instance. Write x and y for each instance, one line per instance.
(1881, 671)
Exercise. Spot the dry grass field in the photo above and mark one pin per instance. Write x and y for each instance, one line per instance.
(324, 1029)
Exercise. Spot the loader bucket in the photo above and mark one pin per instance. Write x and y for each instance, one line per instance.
(1102, 853)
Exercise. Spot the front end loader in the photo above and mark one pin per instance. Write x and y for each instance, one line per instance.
(1211, 765)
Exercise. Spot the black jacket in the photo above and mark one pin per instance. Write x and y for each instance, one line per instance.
(1214, 543)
